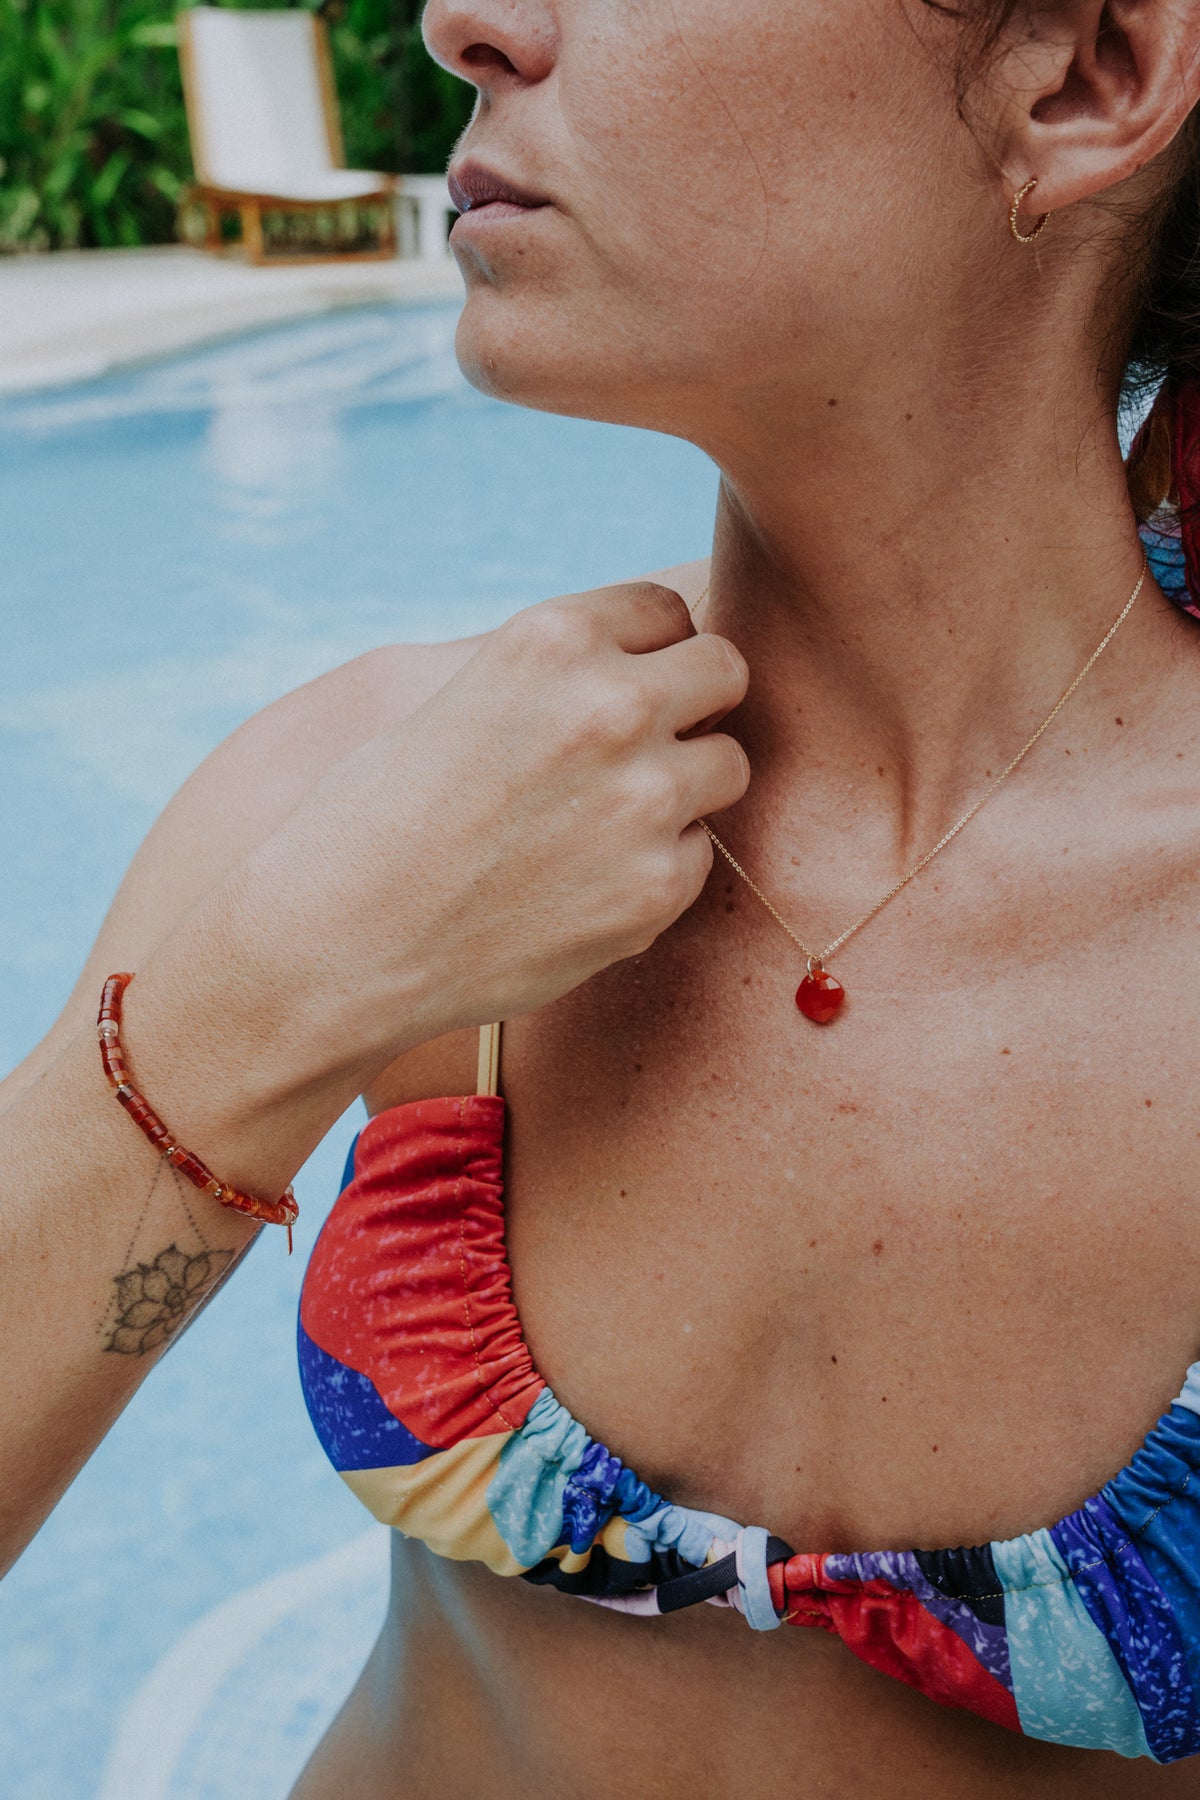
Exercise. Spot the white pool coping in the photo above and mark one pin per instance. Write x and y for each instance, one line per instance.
(238, 1704)
(70, 315)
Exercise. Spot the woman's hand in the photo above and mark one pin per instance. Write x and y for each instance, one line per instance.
(531, 823)
(299, 917)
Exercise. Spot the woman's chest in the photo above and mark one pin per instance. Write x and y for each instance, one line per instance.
(926, 1276)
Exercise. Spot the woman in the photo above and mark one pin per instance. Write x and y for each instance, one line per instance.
(925, 1275)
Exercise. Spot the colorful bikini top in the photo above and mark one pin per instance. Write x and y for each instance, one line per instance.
(424, 1394)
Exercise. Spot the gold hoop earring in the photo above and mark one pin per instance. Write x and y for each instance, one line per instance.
(1025, 237)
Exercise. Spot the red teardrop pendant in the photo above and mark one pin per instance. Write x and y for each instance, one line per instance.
(820, 995)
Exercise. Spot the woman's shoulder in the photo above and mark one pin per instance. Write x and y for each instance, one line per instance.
(252, 781)
(288, 745)
(241, 793)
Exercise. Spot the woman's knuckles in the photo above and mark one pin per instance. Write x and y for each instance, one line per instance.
(662, 609)
(544, 768)
(653, 797)
(555, 634)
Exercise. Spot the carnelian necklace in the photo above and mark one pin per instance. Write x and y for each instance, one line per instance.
(820, 994)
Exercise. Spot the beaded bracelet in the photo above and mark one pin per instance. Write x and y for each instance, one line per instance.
(283, 1211)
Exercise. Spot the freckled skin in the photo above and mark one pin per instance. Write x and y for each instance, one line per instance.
(698, 1180)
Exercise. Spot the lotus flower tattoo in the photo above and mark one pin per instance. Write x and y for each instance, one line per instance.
(155, 1299)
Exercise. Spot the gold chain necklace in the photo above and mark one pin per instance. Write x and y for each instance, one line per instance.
(820, 994)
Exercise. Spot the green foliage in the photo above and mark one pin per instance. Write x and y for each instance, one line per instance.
(399, 109)
(433, 107)
(93, 139)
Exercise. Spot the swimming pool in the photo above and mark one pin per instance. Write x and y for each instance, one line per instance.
(181, 544)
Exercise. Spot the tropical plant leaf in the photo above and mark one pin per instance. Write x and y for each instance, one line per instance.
(93, 138)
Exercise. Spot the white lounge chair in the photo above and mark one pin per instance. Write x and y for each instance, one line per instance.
(266, 134)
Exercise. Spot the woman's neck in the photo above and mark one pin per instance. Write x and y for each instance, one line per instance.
(913, 597)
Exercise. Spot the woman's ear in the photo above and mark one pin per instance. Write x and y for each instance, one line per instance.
(1090, 91)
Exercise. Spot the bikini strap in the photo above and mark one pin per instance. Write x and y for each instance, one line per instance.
(489, 1059)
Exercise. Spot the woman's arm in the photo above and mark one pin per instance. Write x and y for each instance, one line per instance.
(106, 1254)
(402, 848)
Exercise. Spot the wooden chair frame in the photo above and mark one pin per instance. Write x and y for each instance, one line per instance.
(218, 202)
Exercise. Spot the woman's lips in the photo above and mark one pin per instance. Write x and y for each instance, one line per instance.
(496, 209)
(479, 192)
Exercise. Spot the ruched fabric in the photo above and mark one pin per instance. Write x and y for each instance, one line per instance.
(423, 1391)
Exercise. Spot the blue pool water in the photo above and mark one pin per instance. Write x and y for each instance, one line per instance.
(181, 544)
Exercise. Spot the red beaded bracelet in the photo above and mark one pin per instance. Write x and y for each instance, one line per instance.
(283, 1211)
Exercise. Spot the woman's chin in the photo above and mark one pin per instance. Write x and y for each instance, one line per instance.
(542, 359)
(542, 364)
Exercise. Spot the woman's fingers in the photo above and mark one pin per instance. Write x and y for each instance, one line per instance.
(695, 683)
(638, 617)
(679, 679)
(710, 772)
(527, 825)
(695, 862)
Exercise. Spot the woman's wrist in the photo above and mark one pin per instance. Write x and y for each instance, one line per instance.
(244, 1121)
(244, 1049)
